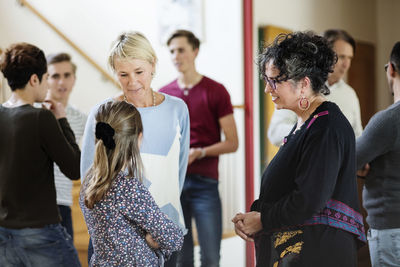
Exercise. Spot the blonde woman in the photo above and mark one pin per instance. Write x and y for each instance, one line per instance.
(165, 145)
(118, 209)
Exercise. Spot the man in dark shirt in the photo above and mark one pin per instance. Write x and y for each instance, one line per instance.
(31, 140)
(378, 148)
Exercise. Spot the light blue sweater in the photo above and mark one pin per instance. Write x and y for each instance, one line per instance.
(164, 151)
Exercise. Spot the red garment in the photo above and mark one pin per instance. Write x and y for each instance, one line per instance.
(207, 101)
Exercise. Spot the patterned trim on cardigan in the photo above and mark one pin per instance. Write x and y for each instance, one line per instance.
(339, 215)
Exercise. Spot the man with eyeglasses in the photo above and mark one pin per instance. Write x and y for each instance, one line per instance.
(341, 93)
(378, 161)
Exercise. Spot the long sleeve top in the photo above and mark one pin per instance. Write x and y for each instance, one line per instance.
(341, 94)
(164, 151)
(379, 145)
(77, 121)
(312, 178)
(119, 222)
(31, 140)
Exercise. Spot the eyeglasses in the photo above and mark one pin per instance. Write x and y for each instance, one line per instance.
(271, 81)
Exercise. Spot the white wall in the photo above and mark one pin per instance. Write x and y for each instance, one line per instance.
(358, 17)
(93, 25)
(18, 24)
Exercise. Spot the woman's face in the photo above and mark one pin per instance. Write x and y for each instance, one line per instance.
(285, 95)
(135, 76)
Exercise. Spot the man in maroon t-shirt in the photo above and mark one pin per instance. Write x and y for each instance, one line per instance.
(210, 111)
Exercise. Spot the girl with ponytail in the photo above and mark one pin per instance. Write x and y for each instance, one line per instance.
(126, 225)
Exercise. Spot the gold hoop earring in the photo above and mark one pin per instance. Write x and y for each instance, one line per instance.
(303, 103)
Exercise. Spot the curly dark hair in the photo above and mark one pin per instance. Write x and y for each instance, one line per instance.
(19, 62)
(298, 55)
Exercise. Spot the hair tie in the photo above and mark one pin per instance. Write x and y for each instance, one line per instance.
(105, 132)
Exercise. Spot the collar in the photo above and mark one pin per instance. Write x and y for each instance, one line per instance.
(335, 85)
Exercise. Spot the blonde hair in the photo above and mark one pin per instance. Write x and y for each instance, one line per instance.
(126, 123)
(131, 45)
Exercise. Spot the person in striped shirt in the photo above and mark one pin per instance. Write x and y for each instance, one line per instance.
(61, 81)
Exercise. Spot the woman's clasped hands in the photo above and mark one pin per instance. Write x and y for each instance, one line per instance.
(247, 224)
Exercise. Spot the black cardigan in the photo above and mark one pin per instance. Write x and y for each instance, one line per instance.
(312, 178)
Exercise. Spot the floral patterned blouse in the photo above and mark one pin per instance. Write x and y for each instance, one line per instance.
(119, 222)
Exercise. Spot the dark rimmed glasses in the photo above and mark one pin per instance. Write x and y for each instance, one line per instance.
(271, 81)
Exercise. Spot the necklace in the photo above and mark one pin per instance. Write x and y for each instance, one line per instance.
(154, 98)
(152, 93)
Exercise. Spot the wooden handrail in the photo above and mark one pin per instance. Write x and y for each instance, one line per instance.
(70, 42)
(239, 106)
(80, 51)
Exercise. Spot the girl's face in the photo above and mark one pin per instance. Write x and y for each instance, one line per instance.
(135, 76)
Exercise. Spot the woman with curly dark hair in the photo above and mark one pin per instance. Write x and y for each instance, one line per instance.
(307, 213)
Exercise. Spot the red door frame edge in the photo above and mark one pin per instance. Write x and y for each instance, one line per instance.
(248, 99)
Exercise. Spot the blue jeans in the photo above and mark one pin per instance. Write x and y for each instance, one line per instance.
(37, 247)
(66, 219)
(200, 200)
(384, 247)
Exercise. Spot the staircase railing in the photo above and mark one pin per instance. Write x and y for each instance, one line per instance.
(70, 42)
